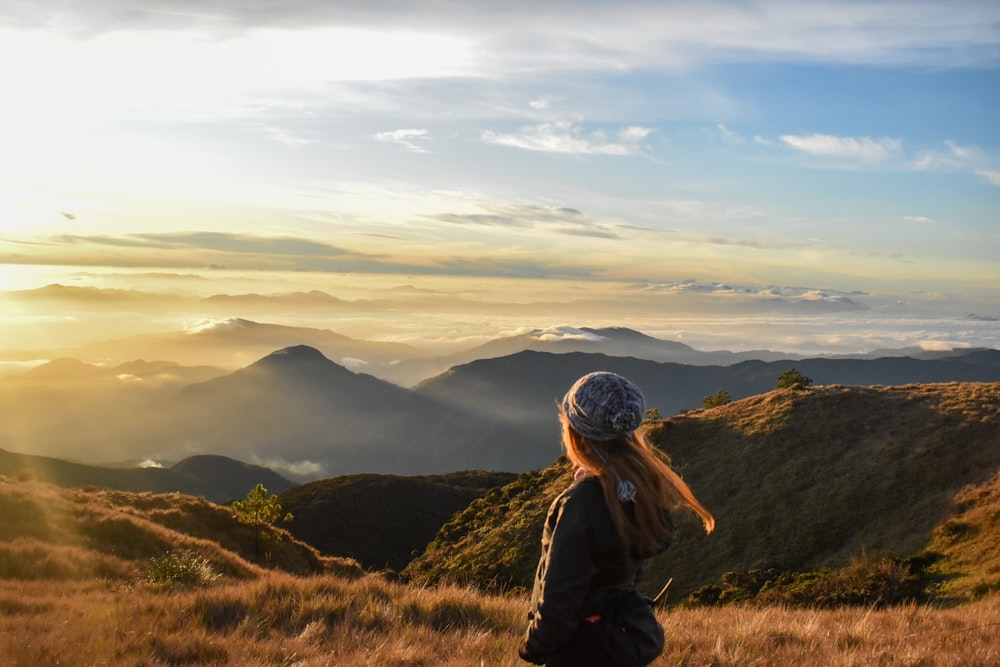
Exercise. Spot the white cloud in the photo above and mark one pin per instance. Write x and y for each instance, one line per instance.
(956, 157)
(991, 177)
(864, 148)
(920, 219)
(570, 139)
(728, 135)
(541, 104)
(558, 333)
(285, 137)
(406, 138)
(608, 35)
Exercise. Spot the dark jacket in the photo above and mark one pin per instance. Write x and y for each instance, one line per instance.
(581, 552)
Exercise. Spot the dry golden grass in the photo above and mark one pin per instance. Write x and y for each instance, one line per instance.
(281, 619)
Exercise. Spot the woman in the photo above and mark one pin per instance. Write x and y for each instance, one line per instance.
(601, 529)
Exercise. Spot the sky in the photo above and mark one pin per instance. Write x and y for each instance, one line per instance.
(808, 149)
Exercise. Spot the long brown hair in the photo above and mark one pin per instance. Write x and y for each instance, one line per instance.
(658, 488)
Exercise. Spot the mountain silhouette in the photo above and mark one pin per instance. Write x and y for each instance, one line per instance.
(297, 407)
(297, 412)
(216, 478)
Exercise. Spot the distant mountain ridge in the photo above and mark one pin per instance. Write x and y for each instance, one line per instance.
(236, 342)
(301, 414)
(215, 478)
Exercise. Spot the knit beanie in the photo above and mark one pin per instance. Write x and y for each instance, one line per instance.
(604, 406)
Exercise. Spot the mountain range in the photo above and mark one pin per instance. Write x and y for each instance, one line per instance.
(236, 342)
(307, 417)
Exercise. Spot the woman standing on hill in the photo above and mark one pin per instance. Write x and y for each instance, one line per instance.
(600, 530)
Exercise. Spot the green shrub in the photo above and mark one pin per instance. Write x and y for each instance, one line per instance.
(185, 569)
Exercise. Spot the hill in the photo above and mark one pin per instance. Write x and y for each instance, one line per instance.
(798, 480)
(51, 533)
(381, 521)
(214, 478)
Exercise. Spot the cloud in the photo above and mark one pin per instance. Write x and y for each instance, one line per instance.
(864, 148)
(991, 177)
(285, 137)
(406, 138)
(920, 219)
(219, 241)
(561, 219)
(568, 138)
(627, 34)
(558, 333)
(956, 157)
(728, 135)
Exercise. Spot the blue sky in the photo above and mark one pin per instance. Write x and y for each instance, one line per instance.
(843, 145)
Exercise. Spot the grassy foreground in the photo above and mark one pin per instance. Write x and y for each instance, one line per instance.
(281, 619)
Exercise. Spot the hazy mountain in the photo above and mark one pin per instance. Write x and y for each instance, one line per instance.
(611, 341)
(523, 388)
(381, 520)
(231, 479)
(299, 413)
(298, 408)
(67, 370)
(797, 480)
(215, 478)
(236, 342)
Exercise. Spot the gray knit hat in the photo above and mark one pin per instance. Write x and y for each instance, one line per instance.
(603, 406)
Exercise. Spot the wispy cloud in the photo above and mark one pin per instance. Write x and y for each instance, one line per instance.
(284, 136)
(729, 136)
(957, 157)
(570, 139)
(863, 148)
(216, 241)
(407, 138)
(560, 219)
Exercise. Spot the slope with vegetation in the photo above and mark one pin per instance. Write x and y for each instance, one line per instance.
(52, 533)
(382, 520)
(109, 577)
(799, 480)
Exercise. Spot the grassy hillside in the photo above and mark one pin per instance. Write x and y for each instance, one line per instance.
(77, 588)
(798, 480)
(382, 520)
(52, 533)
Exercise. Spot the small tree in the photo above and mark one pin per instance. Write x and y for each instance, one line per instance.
(651, 415)
(792, 379)
(261, 512)
(720, 397)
